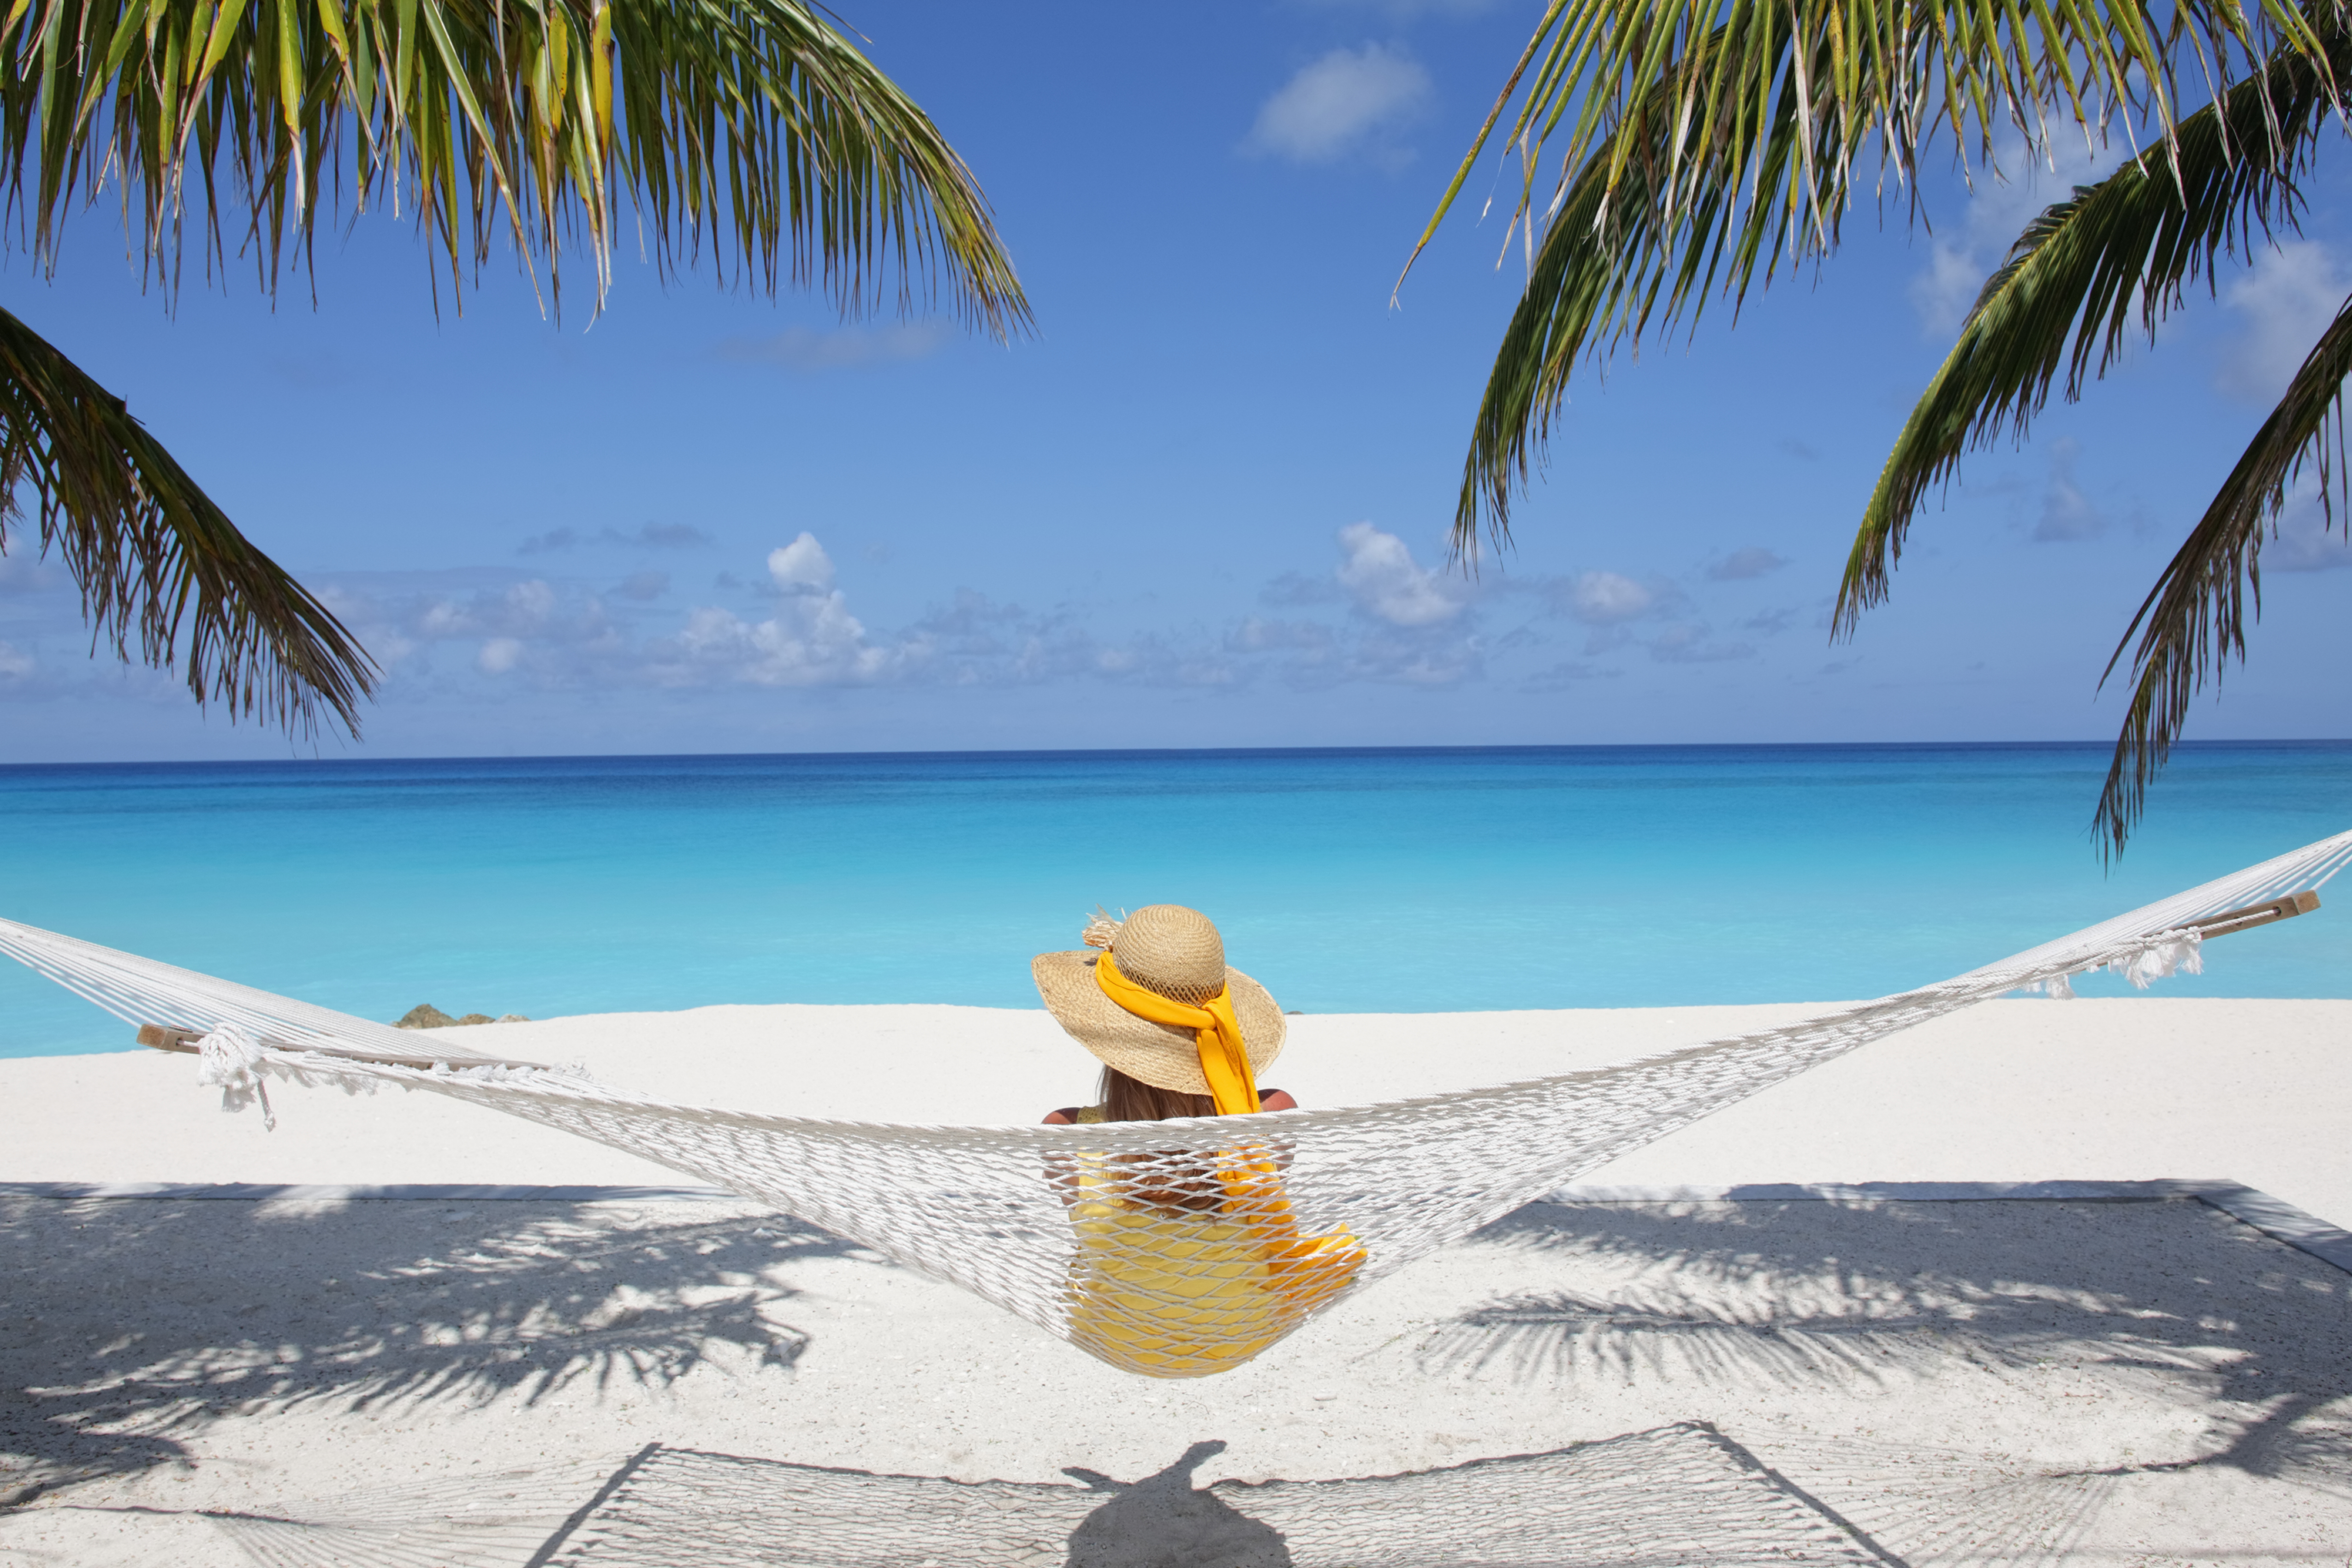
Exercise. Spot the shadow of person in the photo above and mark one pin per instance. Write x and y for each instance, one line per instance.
(1163, 1522)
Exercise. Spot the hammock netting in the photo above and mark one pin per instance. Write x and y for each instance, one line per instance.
(1167, 1248)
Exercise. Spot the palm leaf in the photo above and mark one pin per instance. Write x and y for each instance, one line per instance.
(2195, 616)
(1743, 129)
(747, 129)
(1584, 296)
(2125, 247)
(749, 132)
(158, 564)
(2122, 251)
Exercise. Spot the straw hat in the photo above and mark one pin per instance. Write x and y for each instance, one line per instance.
(1175, 952)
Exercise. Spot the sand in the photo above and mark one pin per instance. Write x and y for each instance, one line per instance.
(311, 1380)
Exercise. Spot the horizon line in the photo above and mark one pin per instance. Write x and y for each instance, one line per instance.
(1140, 752)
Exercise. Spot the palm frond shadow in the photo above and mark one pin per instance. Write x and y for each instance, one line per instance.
(404, 1304)
(1759, 1296)
(1560, 1336)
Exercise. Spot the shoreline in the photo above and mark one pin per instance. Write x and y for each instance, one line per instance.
(2098, 1089)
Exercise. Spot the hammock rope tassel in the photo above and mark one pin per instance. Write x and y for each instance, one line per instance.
(232, 1059)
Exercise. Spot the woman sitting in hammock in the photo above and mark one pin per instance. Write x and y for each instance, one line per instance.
(1188, 1261)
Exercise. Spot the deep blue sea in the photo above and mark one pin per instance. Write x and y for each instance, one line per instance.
(1347, 880)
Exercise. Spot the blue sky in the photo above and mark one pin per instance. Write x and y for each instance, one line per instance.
(1207, 503)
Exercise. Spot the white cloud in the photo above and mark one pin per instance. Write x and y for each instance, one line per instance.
(1943, 291)
(1378, 617)
(521, 610)
(811, 640)
(1605, 599)
(533, 602)
(2307, 541)
(2067, 512)
(2295, 289)
(16, 664)
(1380, 575)
(558, 635)
(1340, 103)
(569, 634)
(808, 350)
(801, 566)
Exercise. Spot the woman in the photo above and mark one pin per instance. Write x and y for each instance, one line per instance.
(1189, 1260)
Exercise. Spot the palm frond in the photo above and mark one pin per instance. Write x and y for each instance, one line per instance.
(750, 129)
(2195, 617)
(1744, 128)
(159, 566)
(1583, 298)
(749, 132)
(2123, 249)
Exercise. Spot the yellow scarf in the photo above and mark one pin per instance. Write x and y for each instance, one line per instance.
(1216, 1033)
(1307, 1270)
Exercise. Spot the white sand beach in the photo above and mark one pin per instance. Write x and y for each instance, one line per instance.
(308, 1380)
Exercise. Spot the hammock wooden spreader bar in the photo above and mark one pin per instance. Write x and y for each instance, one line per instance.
(1169, 1248)
(2253, 915)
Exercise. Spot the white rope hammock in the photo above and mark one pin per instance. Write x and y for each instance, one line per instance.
(1172, 1248)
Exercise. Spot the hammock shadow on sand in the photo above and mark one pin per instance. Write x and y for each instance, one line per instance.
(400, 1304)
(1863, 1296)
(1683, 1495)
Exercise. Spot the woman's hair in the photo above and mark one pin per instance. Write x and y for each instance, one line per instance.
(1178, 1188)
(1125, 1099)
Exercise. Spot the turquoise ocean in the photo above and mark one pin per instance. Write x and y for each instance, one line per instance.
(1402, 880)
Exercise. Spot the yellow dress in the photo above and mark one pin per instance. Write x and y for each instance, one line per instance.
(1172, 1293)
